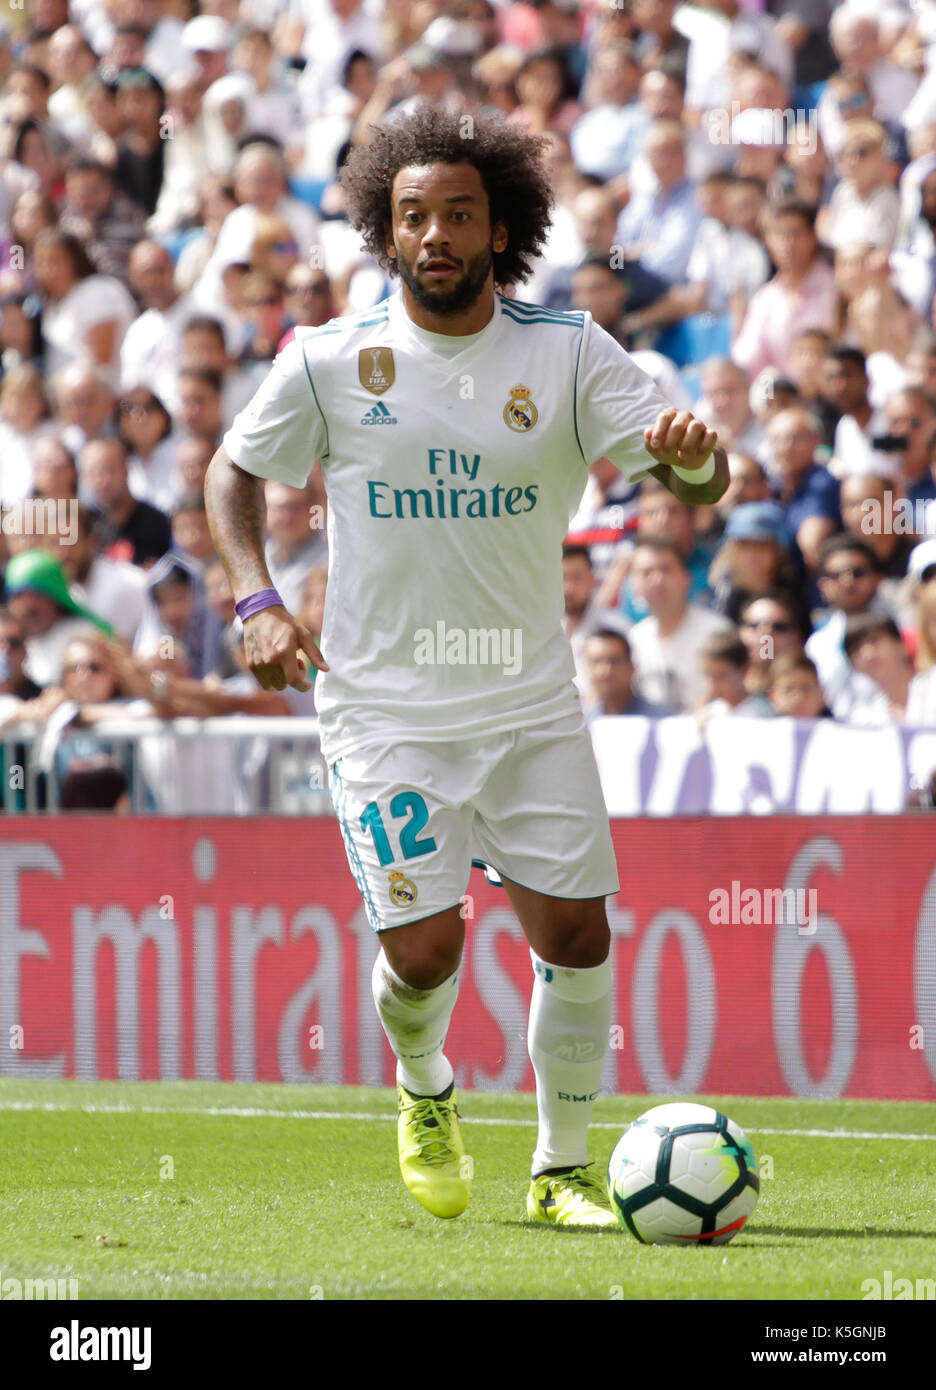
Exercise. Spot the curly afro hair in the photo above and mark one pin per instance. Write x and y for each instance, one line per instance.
(509, 162)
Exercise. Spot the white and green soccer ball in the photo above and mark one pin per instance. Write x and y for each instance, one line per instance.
(683, 1175)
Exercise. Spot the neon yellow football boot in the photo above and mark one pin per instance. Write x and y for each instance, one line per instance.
(576, 1198)
(433, 1162)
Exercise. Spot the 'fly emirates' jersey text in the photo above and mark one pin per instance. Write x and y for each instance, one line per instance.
(452, 467)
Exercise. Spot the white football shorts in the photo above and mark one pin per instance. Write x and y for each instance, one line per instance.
(527, 803)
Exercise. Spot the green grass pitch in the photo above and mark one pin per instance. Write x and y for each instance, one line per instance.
(289, 1192)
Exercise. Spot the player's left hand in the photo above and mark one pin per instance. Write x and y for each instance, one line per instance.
(677, 437)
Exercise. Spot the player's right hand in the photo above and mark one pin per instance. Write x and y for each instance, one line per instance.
(273, 640)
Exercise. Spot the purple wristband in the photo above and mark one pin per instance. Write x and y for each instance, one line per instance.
(255, 603)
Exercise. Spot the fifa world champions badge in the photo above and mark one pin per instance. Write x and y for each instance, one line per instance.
(376, 371)
(402, 889)
(520, 413)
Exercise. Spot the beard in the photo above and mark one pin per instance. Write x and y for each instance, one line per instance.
(454, 299)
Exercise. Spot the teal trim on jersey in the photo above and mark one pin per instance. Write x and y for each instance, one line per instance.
(570, 315)
(542, 318)
(354, 857)
(305, 362)
(575, 397)
(327, 332)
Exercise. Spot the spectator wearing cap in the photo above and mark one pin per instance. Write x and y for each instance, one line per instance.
(141, 103)
(611, 678)
(667, 642)
(105, 221)
(149, 354)
(800, 295)
(131, 530)
(755, 554)
(725, 663)
(606, 138)
(864, 206)
(206, 39)
(38, 597)
(849, 578)
(807, 492)
(659, 227)
(877, 651)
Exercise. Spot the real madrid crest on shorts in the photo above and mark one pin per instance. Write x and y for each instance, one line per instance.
(402, 889)
(375, 369)
(520, 413)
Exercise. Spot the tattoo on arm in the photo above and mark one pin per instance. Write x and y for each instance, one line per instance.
(236, 515)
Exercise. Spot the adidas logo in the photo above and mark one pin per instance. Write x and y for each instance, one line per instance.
(380, 415)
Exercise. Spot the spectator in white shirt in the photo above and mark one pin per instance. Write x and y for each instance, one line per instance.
(113, 589)
(877, 651)
(666, 644)
(864, 206)
(86, 315)
(149, 355)
(25, 418)
(274, 107)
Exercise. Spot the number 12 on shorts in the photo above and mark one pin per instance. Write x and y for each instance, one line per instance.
(411, 846)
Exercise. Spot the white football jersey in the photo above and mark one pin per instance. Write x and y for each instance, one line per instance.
(452, 468)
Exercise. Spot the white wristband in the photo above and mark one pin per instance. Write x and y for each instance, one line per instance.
(696, 475)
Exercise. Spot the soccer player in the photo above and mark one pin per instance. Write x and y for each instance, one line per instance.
(456, 427)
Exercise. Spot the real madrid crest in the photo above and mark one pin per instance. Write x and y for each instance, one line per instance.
(520, 413)
(402, 889)
(375, 369)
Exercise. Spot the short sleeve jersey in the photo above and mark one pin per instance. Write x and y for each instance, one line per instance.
(452, 470)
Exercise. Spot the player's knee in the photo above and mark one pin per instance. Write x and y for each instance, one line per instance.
(580, 943)
(423, 959)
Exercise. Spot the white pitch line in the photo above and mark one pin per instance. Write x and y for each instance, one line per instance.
(250, 1113)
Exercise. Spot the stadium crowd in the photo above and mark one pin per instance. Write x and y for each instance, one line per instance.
(745, 198)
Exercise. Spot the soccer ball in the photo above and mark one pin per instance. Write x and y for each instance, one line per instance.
(683, 1175)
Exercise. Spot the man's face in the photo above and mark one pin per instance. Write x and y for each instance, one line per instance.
(598, 289)
(201, 347)
(190, 533)
(767, 630)
(662, 514)
(880, 655)
(723, 680)
(35, 613)
(308, 297)
(797, 694)
(200, 406)
(151, 276)
(853, 495)
(667, 158)
(791, 242)
(746, 483)
(742, 205)
(577, 584)
(727, 389)
(921, 371)
(104, 473)
(844, 385)
(441, 236)
(88, 404)
(259, 181)
(288, 516)
(792, 442)
(614, 78)
(87, 192)
(596, 220)
(610, 669)
(659, 580)
(911, 417)
(848, 581)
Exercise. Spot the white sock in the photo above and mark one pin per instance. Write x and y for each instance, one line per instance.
(570, 1017)
(416, 1022)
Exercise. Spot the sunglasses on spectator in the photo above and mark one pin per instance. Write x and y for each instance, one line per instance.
(90, 666)
(145, 407)
(925, 577)
(16, 644)
(848, 572)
